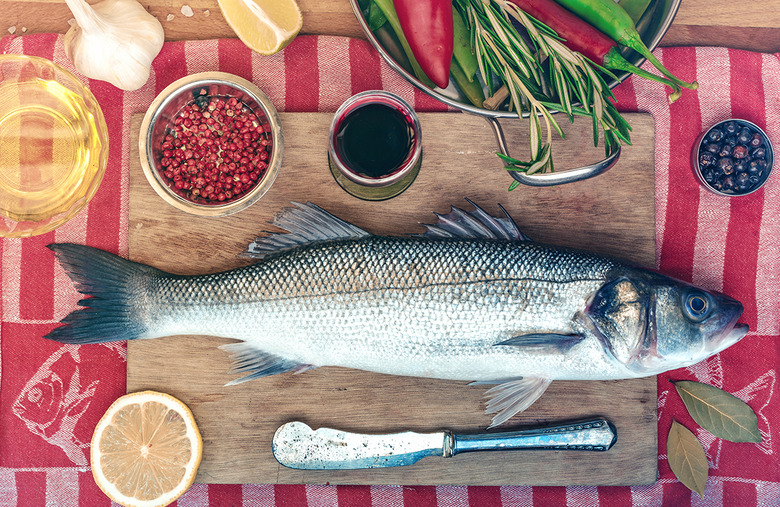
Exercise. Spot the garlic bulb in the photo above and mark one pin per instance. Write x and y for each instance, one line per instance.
(114, 41)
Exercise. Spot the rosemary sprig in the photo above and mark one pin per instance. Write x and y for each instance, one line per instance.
(542, 77)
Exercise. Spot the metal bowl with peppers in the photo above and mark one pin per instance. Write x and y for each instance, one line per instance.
(211, 144)
(477, 68)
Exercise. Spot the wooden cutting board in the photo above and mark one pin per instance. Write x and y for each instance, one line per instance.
(610, 214)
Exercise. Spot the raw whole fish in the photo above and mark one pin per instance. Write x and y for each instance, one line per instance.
(471, 299)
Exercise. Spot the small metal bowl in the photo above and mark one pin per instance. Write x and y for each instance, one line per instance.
(748, 172)
(159, 120)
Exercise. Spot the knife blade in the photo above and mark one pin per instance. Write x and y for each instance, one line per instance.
(296, 445)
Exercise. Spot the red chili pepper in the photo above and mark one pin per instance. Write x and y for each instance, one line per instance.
(616, 24)
(427, 25)
(577, 34)
(581, 36)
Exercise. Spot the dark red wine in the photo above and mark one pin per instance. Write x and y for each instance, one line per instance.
(374, 140)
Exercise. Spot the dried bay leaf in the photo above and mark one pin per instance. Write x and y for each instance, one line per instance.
(686, 458)
(722, 414)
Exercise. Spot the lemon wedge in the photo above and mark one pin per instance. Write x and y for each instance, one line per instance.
(266, 26)
(146, 450)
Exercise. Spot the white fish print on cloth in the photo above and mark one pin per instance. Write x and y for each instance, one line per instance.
(709, 371)
(119, 348)
(758, 394)
(53, 401)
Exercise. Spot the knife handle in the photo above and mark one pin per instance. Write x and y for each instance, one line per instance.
(596, 434)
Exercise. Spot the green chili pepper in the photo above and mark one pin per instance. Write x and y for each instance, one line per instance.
(613, 21)
(463, 51)
(634, 8)
(471, 88)
(376, 18)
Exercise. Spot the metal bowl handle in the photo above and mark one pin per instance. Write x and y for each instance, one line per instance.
(555, 178)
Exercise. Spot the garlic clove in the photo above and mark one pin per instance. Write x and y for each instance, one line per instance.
(114, 41)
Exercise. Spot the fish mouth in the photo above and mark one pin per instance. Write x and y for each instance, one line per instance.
(732, 333)
(735, 334)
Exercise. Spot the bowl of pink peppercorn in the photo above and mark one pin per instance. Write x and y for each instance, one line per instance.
(211, 144)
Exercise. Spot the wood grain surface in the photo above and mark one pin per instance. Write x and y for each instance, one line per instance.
(753, 25)
(611, 214)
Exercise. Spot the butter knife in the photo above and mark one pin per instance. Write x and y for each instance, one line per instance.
(296, 445)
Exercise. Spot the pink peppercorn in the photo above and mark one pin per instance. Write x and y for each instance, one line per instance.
(223, 145)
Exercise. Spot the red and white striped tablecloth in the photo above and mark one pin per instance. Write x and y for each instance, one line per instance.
(51, 396)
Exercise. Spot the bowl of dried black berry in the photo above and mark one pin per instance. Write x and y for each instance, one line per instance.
(733, 158)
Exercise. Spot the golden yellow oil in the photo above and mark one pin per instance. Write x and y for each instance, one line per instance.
(50, 149)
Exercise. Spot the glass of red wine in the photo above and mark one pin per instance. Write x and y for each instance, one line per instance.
(375, 145)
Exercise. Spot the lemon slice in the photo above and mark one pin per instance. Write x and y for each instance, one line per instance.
(146, 450)
(266, 26)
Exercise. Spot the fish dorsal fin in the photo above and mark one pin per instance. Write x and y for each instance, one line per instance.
(305, 223)
(513, 396)
(256, 363)
(477, 224)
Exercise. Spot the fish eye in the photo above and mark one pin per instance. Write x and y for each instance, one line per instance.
(697, 306)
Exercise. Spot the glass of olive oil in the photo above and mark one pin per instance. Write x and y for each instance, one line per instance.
(53, 145)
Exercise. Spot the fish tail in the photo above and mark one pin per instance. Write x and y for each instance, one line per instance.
(113, 286)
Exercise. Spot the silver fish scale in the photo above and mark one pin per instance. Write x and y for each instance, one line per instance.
(404, 306)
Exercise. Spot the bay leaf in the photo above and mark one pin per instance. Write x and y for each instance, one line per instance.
(686, 458)
(722, 414)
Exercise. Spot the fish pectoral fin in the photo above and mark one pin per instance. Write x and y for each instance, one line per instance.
(513, 396)
(256, 363)
(560, 342)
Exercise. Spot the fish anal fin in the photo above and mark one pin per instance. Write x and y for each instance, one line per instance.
(513, 396)
(255, 363)
(546, 341)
